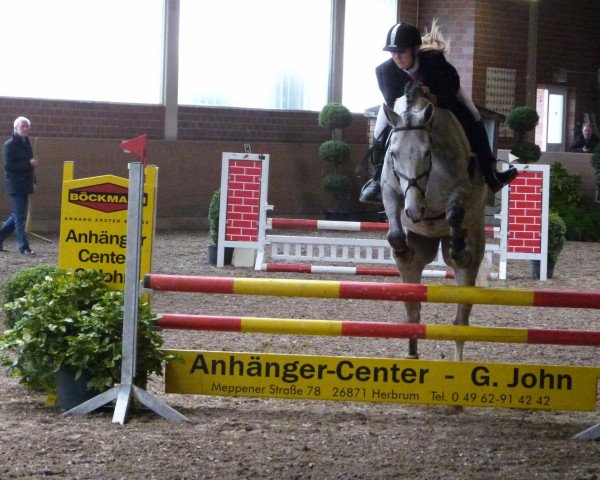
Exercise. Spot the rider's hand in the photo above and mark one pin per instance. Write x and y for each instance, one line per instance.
(432, 97)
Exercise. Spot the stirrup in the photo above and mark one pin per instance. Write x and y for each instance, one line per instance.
(371, 192)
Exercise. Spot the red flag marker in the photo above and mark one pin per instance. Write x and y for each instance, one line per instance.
(136, 146)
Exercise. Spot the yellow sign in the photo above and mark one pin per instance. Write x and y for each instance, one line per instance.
(93, 224)
(387, 380)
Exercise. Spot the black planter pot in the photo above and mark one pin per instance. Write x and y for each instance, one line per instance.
(534, 269)
(71, 392)
(213, 252)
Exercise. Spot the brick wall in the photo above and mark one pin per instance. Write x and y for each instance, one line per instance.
(457, 21)
(55, 118)
(569, 38)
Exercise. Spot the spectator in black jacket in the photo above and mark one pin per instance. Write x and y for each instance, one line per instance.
(416, 60)
(19, 162)
(586, 141)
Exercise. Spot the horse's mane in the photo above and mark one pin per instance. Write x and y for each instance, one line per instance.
(434, 40)
(443, 120)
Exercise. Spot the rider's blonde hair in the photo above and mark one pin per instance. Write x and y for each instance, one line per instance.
(434, 40)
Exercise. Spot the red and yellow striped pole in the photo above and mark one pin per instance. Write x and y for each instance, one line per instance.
(346, 328)
(374, 291)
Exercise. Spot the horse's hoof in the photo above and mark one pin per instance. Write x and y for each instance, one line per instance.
(461, 259)
(412, 357)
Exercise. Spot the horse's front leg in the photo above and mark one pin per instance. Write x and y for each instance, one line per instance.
(393, 203)
(455, 214)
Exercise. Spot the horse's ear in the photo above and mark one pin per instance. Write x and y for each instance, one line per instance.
(392, 117)
(428, 113)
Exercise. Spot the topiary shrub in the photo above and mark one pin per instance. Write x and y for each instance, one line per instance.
(335, 151)
(334, 115)
(20, 283)
(522, 120)
(337, 184)
(527, 152)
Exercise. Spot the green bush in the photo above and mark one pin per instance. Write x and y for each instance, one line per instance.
(213, 216)
(334, 115)
(567, 200)
(19, 284)
(596, 164)
(75, 320)
(556, 236)
(565, 189)
(335, 151)
(583, 224)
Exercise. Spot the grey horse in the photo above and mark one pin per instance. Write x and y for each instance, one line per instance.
(432, 192)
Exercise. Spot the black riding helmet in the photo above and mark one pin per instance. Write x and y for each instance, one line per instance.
(401, 36)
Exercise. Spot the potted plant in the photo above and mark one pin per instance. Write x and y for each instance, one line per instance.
(68, 327)
(557, 231)
(18, 284)
(523, 120)
(214, 209)
(334, 117)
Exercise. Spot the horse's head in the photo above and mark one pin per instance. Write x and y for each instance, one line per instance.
(409, 150)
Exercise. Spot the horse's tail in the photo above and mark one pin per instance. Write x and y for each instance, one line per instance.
(434, 40)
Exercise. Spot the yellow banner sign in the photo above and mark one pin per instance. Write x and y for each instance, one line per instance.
(93, 224)
(382, 380)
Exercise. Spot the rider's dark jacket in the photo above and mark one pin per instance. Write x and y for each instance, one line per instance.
(434, 72)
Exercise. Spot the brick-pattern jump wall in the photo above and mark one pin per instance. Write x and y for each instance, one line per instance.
(525, 213)
(243, 200)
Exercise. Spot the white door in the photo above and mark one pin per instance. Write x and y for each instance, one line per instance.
(552, 109)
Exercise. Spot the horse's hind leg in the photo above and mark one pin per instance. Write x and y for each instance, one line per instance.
(411, 271)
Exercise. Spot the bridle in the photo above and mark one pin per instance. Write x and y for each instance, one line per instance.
(414, 181)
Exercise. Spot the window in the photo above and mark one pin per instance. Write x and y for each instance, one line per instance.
(366, 25)
(97, 50)
(263, 54)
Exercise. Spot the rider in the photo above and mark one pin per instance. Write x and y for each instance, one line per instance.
(440, 83)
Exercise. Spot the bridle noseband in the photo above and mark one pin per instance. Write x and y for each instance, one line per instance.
(412, 182)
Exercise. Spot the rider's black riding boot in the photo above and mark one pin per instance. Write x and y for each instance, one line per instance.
(371, 191)
(479, 142)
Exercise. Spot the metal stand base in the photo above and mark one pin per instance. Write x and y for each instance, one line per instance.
(123, 394)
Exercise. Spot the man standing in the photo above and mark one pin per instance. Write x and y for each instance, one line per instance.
(586, 141)
(19, 163)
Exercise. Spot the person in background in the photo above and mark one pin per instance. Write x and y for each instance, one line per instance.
(421, 59)
(586, 141)
(19, 163)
